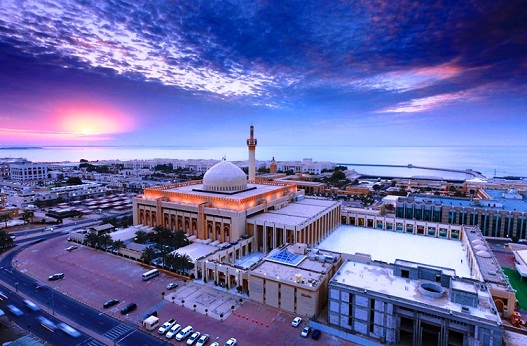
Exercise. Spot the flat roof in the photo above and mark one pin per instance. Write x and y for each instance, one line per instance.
(388, 246)
(252, 190)
(380, 279)
(496, 195)
(288, 274)
(294, 214)
(196, 250)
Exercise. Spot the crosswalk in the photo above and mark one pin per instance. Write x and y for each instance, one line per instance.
(91, 342)
(118, 331)
(113, 334)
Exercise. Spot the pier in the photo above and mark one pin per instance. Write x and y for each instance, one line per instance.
(466, 171)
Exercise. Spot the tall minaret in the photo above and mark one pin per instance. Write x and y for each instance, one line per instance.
(251, 144)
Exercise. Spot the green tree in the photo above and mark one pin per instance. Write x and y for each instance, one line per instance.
(73, 181)
(27, 215)
(141, 237)
(148, 254)
(105, 240)
(118, 244)
(92, 239)
(5, 240)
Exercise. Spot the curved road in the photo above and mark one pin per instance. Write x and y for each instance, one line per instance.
(110, 330)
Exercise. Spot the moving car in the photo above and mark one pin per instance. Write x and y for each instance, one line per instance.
(231, 342)
(171, 285)
(69, 330)
(44, 322)
(31, 305)
(193, 338)
(296, 321)
(56, 276)
(166, 326)
(110, 303)
(203, 340)
(173, 331)
(305, 332)
(128, 308)
(14, 310)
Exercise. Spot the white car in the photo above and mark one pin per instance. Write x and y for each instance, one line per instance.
(166, 326)
(305, 332)
(296, 321)
(14, 310)
(171, 286)
(69, 330)
(183, 333)
(31, 305)
(173, 331)
(203, 340)
(231, 342)
(193, 338)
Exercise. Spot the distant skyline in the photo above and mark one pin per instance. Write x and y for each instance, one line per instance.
(188, 73)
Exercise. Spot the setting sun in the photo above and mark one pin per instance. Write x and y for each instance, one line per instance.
(92, 122)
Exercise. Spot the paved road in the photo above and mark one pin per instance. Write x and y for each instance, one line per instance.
(62, 307)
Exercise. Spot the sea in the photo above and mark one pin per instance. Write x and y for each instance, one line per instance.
(490, 161)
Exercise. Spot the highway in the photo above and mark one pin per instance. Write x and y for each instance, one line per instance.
(56, 306)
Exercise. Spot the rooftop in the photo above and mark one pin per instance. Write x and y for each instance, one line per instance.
(388, 246)
(380, 279)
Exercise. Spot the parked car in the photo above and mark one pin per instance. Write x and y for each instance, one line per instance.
(110, 303)
(296, 321)
(128, 308)
(69, 330)
(215, 344)
(231, 342)
(305, 332)
(171, 285)
(166, 326)
(56, 276)
(183, 333)
(173, 331)
(193, 338)
(316, 334)
(71, 248)
(203, 340)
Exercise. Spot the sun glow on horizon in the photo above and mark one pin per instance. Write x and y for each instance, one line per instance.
(72, 123)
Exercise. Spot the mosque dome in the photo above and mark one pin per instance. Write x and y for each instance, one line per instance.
(224, 176)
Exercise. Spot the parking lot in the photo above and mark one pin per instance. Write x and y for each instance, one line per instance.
(93, 277)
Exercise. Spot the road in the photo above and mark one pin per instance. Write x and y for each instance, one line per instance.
(18, 286)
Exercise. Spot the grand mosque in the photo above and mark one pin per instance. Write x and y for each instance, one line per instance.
(262, 238)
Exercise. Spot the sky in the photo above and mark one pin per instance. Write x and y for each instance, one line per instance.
(306, 72)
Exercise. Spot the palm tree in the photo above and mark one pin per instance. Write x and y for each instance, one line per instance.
(118, 244)
(104, 240)
(26, 215)
(141, 237)
(5, 217)
(92, 239)
(5, 240)
(149, 253)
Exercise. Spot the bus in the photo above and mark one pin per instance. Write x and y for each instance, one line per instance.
(150, 274)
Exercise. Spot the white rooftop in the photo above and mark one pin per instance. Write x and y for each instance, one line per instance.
(388, 246)
(378, 279)
(196, 250)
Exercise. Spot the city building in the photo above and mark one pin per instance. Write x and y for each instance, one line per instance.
(26, 172)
